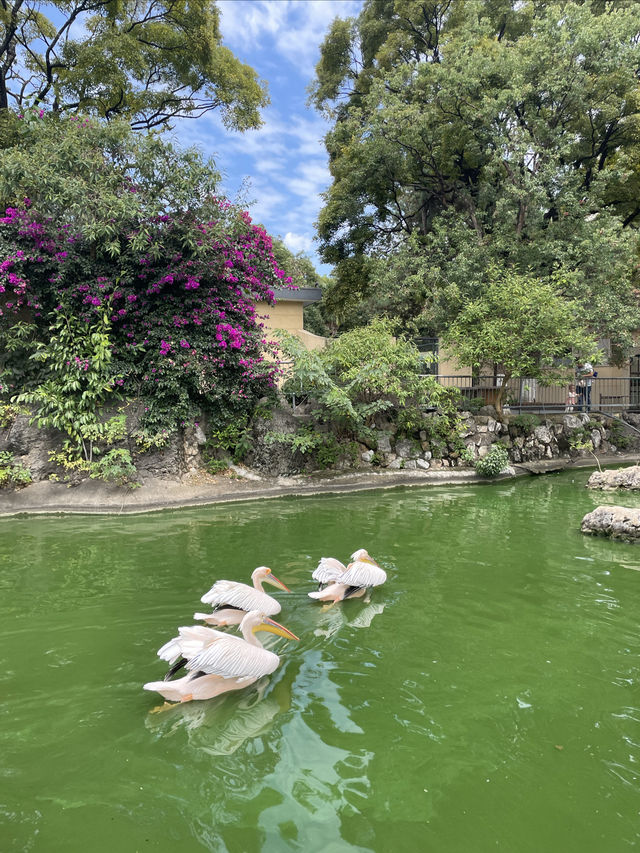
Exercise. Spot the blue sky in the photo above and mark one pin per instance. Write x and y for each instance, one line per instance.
(284, 163)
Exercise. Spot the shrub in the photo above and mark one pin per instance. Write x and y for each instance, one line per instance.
(364, 373)
(471, 404)
(617, 436)
(528, 422)
(116, 466)
(12, 473)
(494, 462)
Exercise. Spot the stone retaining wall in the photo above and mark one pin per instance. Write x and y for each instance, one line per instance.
(526, 440)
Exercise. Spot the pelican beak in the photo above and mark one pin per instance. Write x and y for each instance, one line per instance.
(276, 628)
(272, 579)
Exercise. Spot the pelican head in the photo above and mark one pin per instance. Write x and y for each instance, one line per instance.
(256, 621)
(265, 575)
(363, 556)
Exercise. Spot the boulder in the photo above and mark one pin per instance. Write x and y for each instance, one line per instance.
(384, 443)
(572, 422)
(542, 434)
(620, 478)
(407, 449)
(275, 459)
(31, 446)
(616, 522)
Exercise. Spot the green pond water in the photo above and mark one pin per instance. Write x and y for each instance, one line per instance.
(485, 699)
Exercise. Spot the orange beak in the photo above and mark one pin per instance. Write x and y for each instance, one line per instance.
(272, 579)
(276, 628)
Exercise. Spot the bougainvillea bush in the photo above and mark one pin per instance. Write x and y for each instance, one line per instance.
(172, 282)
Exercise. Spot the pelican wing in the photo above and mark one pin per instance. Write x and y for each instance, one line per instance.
(363, 574)
(329, 569)
(190, 641)
(241, 596)
(232, 657)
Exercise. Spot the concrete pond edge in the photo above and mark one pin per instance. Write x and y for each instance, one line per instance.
(92, 497)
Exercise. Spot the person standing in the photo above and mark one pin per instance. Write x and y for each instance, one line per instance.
(584, 378)
(572, 399)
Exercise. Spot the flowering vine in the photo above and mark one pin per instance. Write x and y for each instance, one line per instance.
(185, 334)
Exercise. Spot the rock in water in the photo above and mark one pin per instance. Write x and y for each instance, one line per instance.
(616, 522)
(620, 478)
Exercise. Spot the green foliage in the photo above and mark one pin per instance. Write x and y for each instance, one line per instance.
(102, 179)
(467, 456)
(581, 438)
(9, 412)
(526, 421)
(494, 462)
(215, 466)
(361, 375)
(232, 439)
(77, 380)
(482, 133)
(471, 404)
(306, 440)
(148, 62)
(115, 466)
(12, 473)
(17, 341)
(146, 440)
(521, 324)
(618, 437)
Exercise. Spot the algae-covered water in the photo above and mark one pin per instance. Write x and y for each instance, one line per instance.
(486, 698)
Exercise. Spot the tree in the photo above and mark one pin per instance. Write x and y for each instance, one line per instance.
(364, 375)
(147, 61)
(480, 133)
(521, 325)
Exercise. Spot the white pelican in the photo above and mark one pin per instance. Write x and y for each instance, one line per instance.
(350, 581)
(221, 662)
(232, 600)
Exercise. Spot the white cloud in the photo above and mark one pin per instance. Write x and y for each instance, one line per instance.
(284, 162)
(309, 179)
(298, 242)
(296, 26)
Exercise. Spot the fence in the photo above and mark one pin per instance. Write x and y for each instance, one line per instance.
(606, 394)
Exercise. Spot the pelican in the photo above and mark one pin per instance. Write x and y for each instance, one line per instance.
(231, 600)
(221, 662)
(350, 581)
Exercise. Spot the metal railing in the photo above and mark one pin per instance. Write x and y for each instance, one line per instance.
(617, 394)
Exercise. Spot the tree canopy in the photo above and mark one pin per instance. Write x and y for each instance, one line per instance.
(521, 324)
(482, 133)
(144, 60)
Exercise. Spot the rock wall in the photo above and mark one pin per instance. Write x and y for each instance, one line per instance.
(32, 448)
(527, 439)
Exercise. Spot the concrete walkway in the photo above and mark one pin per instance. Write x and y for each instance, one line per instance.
(94, 497)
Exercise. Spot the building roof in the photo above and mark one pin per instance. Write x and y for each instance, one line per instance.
(306, 295)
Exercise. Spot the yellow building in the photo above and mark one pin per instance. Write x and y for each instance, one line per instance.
(288, 314)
